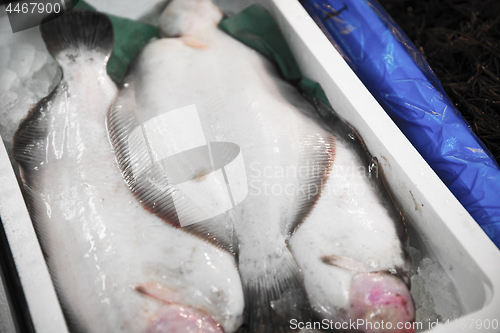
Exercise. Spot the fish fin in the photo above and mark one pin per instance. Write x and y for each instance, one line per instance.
(345, 263)
(139, 175)
(30, 138)
(29, 150)
(346, 132)
(142, 177)
(189, 17)
(215, 231)
(146, 179)
(318, 155)
(274, 293)
(78, 30)
(341, 128)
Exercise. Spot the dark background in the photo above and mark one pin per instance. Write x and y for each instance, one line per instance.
(461, 41)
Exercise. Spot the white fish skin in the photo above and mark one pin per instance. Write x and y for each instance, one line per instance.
(239, 98)
(115, 266)
(354, 249)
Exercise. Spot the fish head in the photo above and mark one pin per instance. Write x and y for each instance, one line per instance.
(381, 302)
(188, 18)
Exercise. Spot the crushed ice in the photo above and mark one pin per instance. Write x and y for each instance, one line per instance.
(433, 292)
(27, 73)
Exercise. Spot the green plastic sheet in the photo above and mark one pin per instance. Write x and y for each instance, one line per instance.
(256, 28)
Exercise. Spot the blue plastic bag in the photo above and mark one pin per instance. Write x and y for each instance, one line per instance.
(401, 80)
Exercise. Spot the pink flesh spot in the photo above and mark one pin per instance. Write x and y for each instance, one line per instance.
(380, 297)
(377, 297)
(175, 318)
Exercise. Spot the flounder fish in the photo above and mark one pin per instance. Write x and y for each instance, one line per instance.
(356, 267)
(115, 266)
(213, 141)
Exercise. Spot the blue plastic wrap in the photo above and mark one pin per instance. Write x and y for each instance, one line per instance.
(400, 79)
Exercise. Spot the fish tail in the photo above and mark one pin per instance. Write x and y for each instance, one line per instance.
(274, 294)
(78, 30)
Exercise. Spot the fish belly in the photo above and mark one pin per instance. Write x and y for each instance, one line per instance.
(115, 266)
(350, 251)
(180, 99)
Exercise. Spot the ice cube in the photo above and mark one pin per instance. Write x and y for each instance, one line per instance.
(8, 100)
(416, 257)
(7, 79)
(40, 60)
(442, 289)
(4, 56)
(54, 72)
(433, 291)
(23, 59)
(44, 80)
(40, 87)
(14, 106)
(424, 303)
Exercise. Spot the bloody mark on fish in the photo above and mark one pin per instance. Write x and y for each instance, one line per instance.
(171, 220)
(344, 263)
(200, 175)
(194, 42)
(329, 259)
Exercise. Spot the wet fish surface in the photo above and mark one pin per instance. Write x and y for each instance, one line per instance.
(197, 93)
(115, 266)
(356, 267)
(212, 140)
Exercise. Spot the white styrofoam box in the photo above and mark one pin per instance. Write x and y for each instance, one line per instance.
(444, 229)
